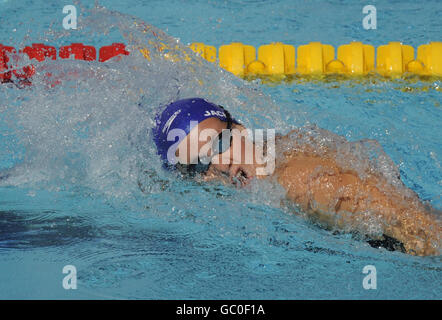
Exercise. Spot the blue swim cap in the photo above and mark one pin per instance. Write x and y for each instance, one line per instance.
(178, 115)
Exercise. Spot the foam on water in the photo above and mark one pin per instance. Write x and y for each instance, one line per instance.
(93, 128)
(91, 133)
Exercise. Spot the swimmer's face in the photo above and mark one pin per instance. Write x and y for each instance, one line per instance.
(230, 165)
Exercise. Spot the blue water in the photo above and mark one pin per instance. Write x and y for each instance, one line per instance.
(86, 188)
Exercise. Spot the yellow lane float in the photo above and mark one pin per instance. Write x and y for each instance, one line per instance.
(314, 57)
(357, 58)
(277, 59)
(235, 57)
(354, 59)
(393, 58)
(430, 56)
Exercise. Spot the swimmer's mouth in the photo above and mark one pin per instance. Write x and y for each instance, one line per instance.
(239, 180)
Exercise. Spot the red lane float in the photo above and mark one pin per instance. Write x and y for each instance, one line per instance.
(41, 52)
(108, 52)
(4, 51)
(79, 51)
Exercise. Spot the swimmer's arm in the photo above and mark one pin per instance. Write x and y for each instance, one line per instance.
(343, 200)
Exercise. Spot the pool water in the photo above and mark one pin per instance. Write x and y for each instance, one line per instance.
(81, 185)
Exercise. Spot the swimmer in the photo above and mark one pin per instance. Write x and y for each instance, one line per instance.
(215, 146)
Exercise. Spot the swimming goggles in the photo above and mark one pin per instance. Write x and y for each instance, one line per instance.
(220, 144)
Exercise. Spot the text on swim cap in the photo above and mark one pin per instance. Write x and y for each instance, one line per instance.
(210, 113)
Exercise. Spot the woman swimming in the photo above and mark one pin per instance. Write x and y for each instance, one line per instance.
(195, 136)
